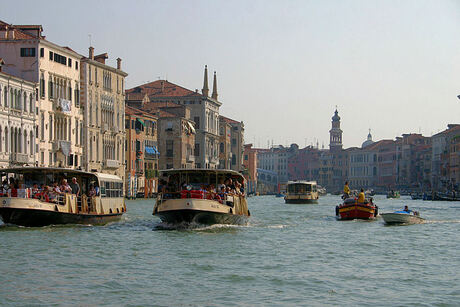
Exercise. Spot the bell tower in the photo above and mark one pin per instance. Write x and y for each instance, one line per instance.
(335, 141)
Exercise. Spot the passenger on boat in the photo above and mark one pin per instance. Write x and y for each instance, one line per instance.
(65, 187)
(221, 184)
(35, 190)
(406, 209)
(92, 191)
(361, 197)
(75, 186)
(13, 190)
(346, 190)
(45, 195)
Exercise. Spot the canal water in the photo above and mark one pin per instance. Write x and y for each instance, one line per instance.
(288, 255)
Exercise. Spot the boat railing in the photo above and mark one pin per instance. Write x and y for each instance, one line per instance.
(223, 198)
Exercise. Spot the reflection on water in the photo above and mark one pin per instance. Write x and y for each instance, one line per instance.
(287, 255)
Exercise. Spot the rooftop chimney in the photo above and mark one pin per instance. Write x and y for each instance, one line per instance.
(91, 53)
(118, 63)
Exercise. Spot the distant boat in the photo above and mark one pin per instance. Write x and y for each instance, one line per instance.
(393, 194)
(321, 190)
(301, 192)
(402, 217)
(449, 196)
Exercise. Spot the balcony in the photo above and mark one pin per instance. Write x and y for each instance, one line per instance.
(191, 158)
(19, 158)
(62, 105)
(111, 164)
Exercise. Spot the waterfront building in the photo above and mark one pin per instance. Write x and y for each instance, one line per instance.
(103, 106)
(237, 142)
(225, 149)
(305, 164)
(250, 168)
(444, 163)
(176, 135)
(267, 181)
(204, 111)
(141, 153)
(30, 56)
(408, 175)
(18, 120)
(276, 159)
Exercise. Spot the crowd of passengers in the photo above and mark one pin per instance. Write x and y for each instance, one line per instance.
(209, 191)
(53, 194)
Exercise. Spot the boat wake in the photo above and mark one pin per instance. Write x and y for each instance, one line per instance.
(197, 227)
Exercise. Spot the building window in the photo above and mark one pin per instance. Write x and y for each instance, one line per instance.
(246, 158)
(70, 63)
(197, 149)
(28, 52)
(51, 55)
(221, 148)
(233, 142)
(42, 86)
(42, 52)
(76, 65)
(196, 119)
(169, 148)
(233, 159)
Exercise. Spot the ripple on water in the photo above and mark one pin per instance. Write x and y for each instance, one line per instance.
(289, 255)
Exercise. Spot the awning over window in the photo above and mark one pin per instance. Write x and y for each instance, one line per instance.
(151, 150)
(141, 121)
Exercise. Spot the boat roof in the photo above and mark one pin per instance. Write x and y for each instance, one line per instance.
(301, 182)
(199, 170)
(102, 176)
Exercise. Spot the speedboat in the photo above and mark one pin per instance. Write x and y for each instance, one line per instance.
(351, 210)
(402, 217)
(190, 197)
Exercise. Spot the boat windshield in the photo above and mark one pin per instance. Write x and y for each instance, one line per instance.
(299, 188)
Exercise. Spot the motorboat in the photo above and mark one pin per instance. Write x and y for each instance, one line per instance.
(201, 196)
(393, 194)
(100, 200)
(301, 192)
(402, 217)
(351, 209)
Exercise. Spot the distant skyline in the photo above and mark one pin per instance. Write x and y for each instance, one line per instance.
(282, 66)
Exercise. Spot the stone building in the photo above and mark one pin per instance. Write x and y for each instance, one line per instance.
(250, 165)
(103, 105)
(30, 56)
(236, 141)
(18, 120)
(444, 167)
(141, 153)
(225, 149)
(305, 164)
(204, 112)
(176, 135)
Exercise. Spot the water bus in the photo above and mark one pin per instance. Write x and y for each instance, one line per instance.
(29, 199)
(351, 209)
(301, 192)
(202, 196)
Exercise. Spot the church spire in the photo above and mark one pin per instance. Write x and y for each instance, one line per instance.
(214, 87)
(205, 90)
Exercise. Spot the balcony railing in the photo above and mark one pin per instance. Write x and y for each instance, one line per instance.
(112, 164)
(19, 157)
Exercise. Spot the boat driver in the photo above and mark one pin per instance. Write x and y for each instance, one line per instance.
(346, 190)
(406, 209)
(361, 197)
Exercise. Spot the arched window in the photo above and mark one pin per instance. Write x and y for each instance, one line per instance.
(5, 94)
(6, 139)
(31, 136)
(24, 101)
(25, 142)
(31, 104)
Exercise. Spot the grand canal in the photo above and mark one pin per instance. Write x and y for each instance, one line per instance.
(288, 255)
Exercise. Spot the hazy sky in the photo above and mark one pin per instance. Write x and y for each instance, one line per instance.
(283, 66)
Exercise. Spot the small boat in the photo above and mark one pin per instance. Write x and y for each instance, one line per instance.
(402, 217)
(321, 190)
(351, 210)
(447, 196)
(393, 194)
(27, 206)
(190, 197)
(301, 192)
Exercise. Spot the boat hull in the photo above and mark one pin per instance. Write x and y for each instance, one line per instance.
(401, 218)
(38, 218)
(356, 211)
(201, 217)
(301, 201)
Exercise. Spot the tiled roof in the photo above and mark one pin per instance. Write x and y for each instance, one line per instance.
(18, 34)
(163, 88)
(228, 120)
(455, 128)
(135, 96)
(137, 112)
